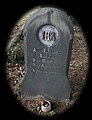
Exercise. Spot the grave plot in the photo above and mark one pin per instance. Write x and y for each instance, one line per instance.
(39, 59)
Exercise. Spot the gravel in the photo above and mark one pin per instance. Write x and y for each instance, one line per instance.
(77, 71)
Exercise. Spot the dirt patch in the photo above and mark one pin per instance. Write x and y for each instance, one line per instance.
(15, 69)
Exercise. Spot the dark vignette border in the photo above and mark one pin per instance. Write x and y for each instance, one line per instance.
(10, 13)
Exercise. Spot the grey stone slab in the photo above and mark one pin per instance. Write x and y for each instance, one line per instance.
(48, 37)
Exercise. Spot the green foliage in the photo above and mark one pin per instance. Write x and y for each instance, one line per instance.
(15, 50)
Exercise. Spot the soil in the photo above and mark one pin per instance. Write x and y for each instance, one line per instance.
(77, 72)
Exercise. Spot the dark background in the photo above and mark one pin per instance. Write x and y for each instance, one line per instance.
(10, 12)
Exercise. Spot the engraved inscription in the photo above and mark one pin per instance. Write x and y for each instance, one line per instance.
(48, 35)
(46, 62)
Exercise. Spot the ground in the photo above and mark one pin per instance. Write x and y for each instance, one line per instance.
(15, 68)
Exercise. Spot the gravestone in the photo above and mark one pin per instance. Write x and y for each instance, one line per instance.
(48, 36)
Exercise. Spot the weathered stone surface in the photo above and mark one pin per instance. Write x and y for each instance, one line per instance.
(48, 36)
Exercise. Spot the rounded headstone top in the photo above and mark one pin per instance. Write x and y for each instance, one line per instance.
(50, 23)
